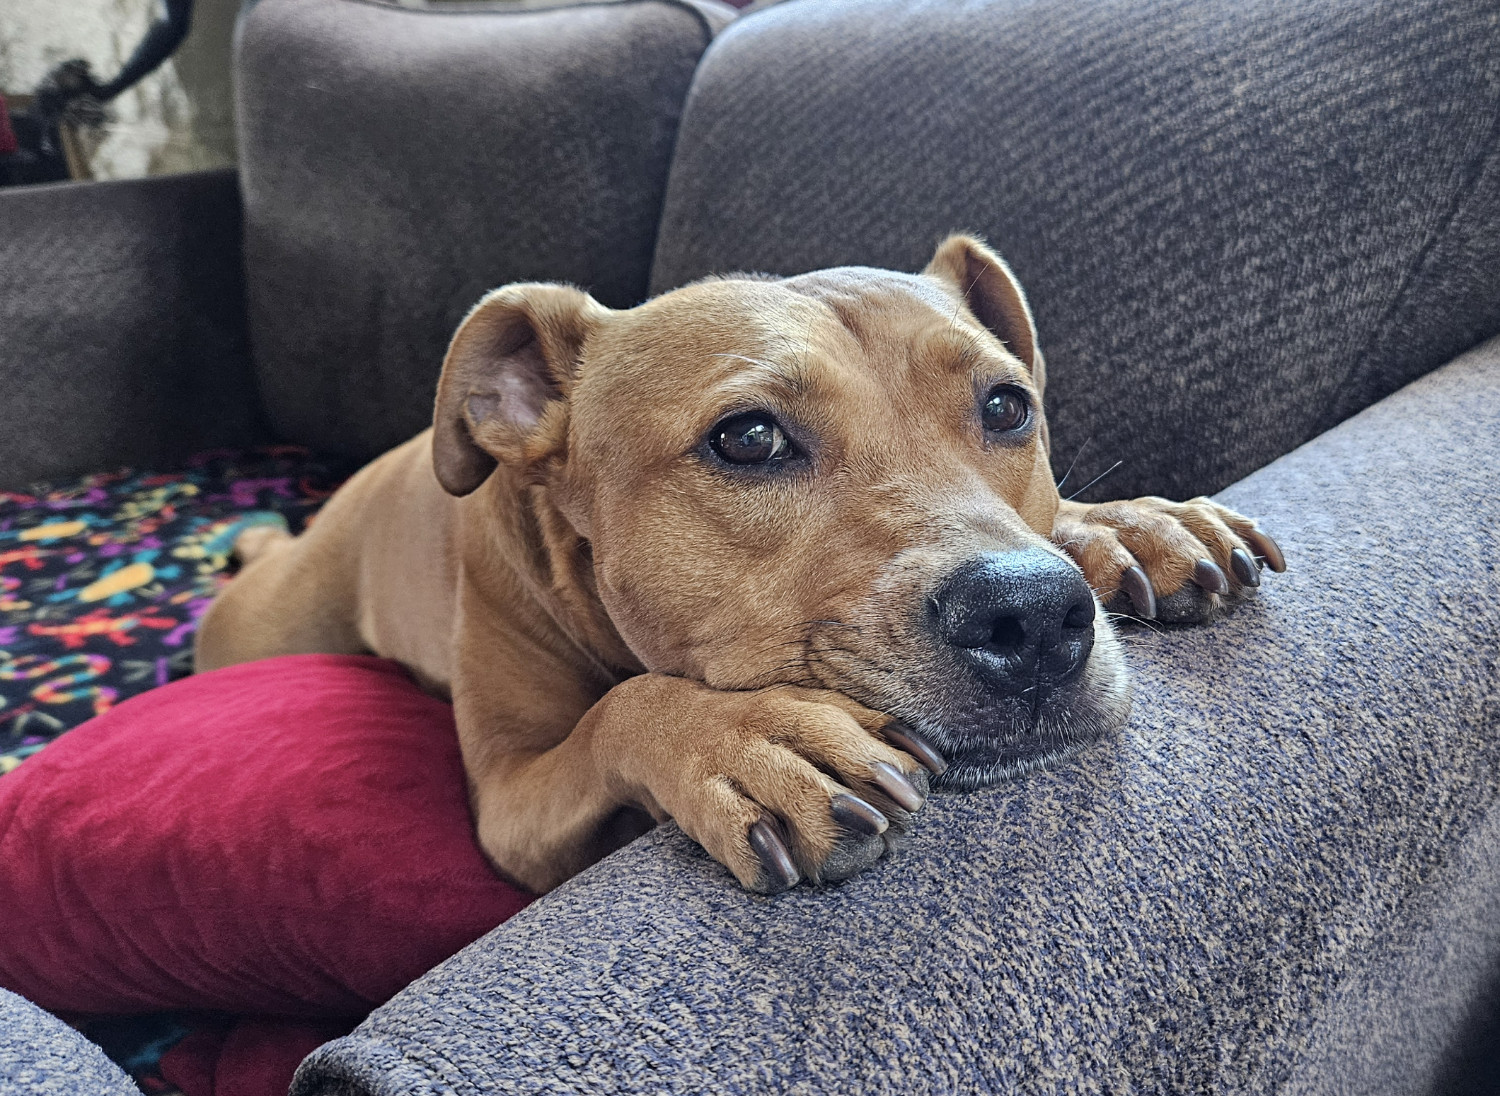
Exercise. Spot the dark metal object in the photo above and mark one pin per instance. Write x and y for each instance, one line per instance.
(70, 95)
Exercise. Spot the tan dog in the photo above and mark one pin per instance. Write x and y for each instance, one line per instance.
(762, 556)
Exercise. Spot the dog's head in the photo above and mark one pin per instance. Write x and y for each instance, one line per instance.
(837, 480)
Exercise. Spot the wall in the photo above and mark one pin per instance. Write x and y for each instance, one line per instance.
(180, 118)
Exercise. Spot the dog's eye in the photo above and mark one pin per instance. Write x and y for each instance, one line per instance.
(1005, 409)
(751, 438)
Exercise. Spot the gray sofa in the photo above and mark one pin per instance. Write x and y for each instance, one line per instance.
(1263, 244)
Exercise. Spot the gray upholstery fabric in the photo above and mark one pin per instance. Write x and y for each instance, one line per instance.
(1281, 876)
(398, 163)
(1239, 221)
(41, 1056)
(122, 325)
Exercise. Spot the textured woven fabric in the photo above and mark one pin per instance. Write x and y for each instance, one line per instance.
(41, 1056)
(1238, 222)
(122, 325)
(398, 163)
(1289, 848)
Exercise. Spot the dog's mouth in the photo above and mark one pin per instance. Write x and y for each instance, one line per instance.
(987, 732)
(999, 745)
(987, 741)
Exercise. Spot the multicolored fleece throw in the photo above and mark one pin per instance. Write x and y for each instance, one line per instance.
(103, 579)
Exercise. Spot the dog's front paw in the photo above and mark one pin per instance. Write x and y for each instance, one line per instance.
(1182, 562)
(784, 784)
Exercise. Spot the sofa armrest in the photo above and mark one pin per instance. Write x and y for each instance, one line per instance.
(122, 329)
(1284, 857)
(42, 1056)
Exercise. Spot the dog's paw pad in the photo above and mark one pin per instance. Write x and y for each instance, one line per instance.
(1189, 605)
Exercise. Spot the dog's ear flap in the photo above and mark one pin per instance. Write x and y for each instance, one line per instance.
(512, 361)
(992, 294)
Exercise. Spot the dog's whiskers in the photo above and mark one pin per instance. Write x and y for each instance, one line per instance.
(1093, 481)
(1074, 461)
(1155, 626)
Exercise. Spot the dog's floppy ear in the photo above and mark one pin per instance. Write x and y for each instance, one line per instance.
(512, 359)
(992, 294)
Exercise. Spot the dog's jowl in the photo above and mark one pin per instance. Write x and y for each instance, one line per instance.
(770, 557)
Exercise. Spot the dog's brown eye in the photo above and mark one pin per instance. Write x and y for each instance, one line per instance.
(1005, 409)
(752, 438)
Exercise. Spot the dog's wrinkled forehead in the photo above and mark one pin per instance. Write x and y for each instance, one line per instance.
(688, 355)
(864, 298)
(793, 317)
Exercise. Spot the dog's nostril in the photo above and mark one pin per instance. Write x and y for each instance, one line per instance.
(1008, 635)
(1081, 615)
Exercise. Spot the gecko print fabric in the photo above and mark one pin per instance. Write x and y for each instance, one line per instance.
(103, 580)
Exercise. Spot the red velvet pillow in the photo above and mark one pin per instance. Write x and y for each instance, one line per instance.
(288, 837)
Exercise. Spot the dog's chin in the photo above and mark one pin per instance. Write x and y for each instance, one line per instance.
(979, 765)
(990, 742)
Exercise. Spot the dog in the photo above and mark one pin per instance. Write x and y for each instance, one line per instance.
(771, 557)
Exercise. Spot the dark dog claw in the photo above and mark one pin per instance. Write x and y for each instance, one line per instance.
(1206, 574)
(894, 783)
(855, 814)
(1267, 549)
(1138, 587)
(1244, 568)
(768, 846)
(903, 737)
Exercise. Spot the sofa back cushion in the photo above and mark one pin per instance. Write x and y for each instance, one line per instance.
(1238, 222)
(399, 162)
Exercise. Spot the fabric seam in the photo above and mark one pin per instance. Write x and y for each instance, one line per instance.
(1473, 172)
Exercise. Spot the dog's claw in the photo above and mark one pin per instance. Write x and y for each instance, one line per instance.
(902, 736)
(1267, 549)
(855, 814)
(1138, 588)
(895, 784)
(1244, 568)
(1206, 574)
(774, 857)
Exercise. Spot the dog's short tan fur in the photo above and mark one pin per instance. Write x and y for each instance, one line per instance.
(631, 632)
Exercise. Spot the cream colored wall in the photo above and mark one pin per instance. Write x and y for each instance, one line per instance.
(179, 118)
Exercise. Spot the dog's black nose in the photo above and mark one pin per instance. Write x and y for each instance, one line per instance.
(1017, 618)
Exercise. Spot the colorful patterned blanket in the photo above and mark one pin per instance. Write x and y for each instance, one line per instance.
(102, 580)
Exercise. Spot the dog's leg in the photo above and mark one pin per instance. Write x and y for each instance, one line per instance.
(257, 540)
(289, 598)
(1182, 562)
(778, 785)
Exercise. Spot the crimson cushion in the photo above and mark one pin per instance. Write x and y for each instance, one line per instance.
(288, 837)
(246, 1056)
